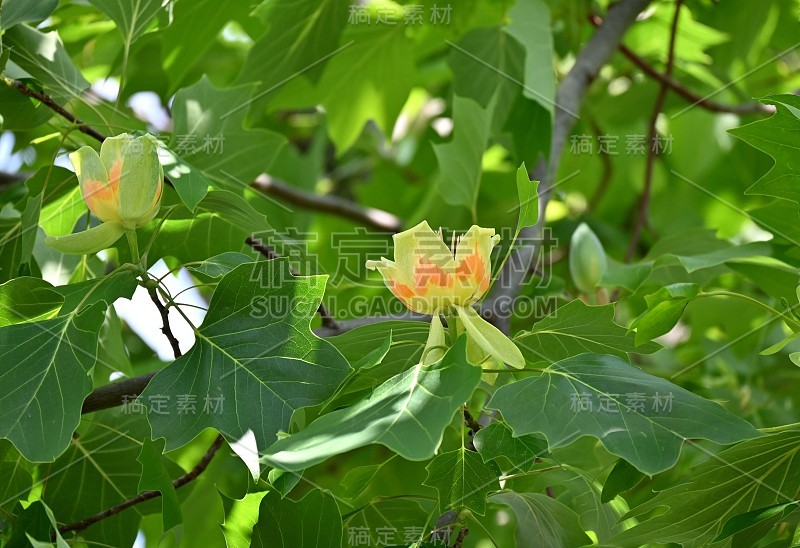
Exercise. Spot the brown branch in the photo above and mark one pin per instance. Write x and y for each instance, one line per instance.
(462, 534)
(144, 496)
(653, 146)
(269, 253)
(368, 216)
(49, 102)
(165, 327)
(569, 97)
(115, 394)
(680, 89)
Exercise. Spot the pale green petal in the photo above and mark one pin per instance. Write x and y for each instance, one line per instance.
(134, 163)
(489, 338)
(435, 347)
(89, 241)
(417, 242)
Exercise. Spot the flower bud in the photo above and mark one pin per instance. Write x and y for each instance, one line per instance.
(587, 259)
(122, 186)
(124, 183)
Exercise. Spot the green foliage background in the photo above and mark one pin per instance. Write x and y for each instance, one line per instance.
(302, 123)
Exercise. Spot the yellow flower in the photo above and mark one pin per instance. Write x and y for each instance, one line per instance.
(430, 278)
(122, 186)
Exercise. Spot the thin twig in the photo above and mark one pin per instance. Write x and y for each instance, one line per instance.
(115, 393)
(462, 534)
(368, 216)
(49, 102)
(165, 327)
(680, 89)
(605, 177)
(270, 254)
(653, 147)
(144, 496)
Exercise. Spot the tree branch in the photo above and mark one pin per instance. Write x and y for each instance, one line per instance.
(178, 482)
(680, 89)
(165, 327)
(49, 102)
(653, 146)
(369, 216)
(569, 97)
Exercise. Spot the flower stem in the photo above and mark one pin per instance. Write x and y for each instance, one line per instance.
(133, 243)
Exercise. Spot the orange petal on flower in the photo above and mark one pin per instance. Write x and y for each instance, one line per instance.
(101, 199)
(400, 290)
(427, 273)
(472, 266)
(114, 173)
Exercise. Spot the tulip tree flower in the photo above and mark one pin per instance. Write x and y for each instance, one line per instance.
(430, 278)
(122, 186)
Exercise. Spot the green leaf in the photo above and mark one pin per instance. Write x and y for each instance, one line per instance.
(388, 522)
(528, 199)
(25, 299)
(375, 356)
(193, 31)
(460, 159)
(577, 328)
(18, 235)
(487, 65)
(777, 136)
(62, 203)
(622, 477)
(408, 338)
(408, 341)
(407, 414)
(17, 481)
(189, 183)
(368, 80)
(463, 480)
(254, 363)
(219, 265)
(100, 470)
(530, 26)
(762, 516)
(664, 308)
(42, 55)
(543, 521)
(45, 366)
(20, 112)
(314, 522)
(490, 339)
(639, 417)
(34, 523)
(282, 481)
(751, 475)
(496, 442)
(208, 134)
(240, 517)
(131, 18)
(156, 478)
(302, 34)
(13, 12)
